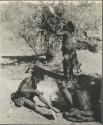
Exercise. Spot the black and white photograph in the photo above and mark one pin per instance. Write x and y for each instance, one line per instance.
(51, 62)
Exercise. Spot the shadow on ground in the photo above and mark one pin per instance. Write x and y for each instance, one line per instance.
(13, 60)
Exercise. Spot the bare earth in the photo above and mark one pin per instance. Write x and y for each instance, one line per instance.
(10, 77)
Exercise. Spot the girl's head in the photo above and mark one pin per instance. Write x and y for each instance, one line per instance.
(70, 27)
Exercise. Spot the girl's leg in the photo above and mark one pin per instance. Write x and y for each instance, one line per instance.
(67, 95)
(71, 73)
(69, 70)
(65, 69)
(31, 105)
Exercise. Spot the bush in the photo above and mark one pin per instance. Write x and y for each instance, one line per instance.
(36, 24)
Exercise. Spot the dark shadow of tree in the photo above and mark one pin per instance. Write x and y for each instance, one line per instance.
(16, 60)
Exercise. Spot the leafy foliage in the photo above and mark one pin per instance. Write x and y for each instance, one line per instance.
(35, 23)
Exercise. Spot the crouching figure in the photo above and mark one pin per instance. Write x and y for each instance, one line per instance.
(83, 98)
(27, 90)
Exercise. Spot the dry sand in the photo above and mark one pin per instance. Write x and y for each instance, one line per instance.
(10, 77)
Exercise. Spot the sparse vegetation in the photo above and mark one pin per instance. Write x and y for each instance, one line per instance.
(22, 26)
(34, 23)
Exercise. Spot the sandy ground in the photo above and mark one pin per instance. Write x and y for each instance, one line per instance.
(9, 81)
(11, 75)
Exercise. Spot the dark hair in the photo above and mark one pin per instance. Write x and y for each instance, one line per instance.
(65, 27)
(70, 27)
(38, 73)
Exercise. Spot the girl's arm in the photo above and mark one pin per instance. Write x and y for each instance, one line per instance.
(61, 33)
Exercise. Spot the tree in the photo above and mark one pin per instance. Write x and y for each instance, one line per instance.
(37, 27)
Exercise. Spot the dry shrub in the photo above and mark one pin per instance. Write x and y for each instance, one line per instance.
(36, 23)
